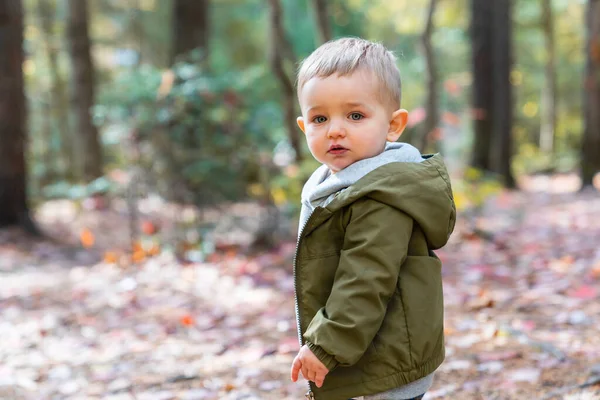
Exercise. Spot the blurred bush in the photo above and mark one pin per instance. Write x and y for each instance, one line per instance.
(529, 159)
(198, 136)
(473, 190)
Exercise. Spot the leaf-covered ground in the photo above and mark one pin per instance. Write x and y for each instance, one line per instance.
(521, 290)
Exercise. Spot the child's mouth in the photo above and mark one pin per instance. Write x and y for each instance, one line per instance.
(337, 150)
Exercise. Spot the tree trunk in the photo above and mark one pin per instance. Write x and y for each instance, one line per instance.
(58, 105)
(278, 44)
(491, 36)
(481, 58)
(90, 152)
(590, 152)
(13, 193)
(322, 20)
(548, 128)
(190, 27)
(501, 150)
(430, 124)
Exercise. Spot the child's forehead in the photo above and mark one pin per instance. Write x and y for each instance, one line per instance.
(358, 86)
(363, 84)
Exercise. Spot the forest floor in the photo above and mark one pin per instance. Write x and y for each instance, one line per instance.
(522, 310)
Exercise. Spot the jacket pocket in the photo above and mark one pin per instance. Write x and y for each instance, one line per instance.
(422, 297)
(326, 240)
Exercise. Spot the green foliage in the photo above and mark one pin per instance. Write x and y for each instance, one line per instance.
(286, 187)
(239, 34)
(198, 132)
(472, 191)
(64, 189)
(530, 160)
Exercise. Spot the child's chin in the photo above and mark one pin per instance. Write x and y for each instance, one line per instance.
(338, 167)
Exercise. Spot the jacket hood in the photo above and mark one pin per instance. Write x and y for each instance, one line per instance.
(419, 189)
(320, 187)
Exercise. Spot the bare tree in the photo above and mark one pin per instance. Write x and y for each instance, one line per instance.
(278, 47)
(548, 125)
(590, 152)
(432, 111)
(83, 90)
(13, 174)
(321, 14)
(190, 27)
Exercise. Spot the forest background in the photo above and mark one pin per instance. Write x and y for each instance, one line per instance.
(146, 135)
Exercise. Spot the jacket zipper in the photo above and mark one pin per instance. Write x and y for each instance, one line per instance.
(309, 395)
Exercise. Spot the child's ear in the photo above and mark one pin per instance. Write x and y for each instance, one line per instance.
(300, 122)
(397, 124)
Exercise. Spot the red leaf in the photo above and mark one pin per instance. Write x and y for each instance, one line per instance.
(584, 292)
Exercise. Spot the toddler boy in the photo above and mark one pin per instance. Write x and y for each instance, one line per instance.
(368, 286)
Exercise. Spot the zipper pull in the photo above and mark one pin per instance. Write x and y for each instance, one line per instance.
(309, 395)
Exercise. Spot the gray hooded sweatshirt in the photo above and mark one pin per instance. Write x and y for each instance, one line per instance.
(322, 187)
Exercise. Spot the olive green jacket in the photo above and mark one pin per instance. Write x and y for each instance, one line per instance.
(368, 285)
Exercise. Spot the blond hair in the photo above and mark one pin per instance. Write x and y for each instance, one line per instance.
(346, 55)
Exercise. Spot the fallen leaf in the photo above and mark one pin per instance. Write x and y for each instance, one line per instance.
(229, 387)
(111, 257)
(153, 251)
(187, 320)
(138, 256)
(149, 228)
(87, 238)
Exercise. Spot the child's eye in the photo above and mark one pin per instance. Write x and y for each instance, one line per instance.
(356, 116)
(319, 119)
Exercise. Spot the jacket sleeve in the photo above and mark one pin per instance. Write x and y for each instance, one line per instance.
(375, 246)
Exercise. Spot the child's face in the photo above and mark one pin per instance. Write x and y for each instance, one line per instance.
(345, 119)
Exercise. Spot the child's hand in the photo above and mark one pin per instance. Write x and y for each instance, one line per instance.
(312, 369)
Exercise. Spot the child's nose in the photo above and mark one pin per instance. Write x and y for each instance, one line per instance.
(336, 130)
